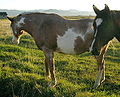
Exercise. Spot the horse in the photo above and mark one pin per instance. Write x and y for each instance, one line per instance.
(52, 33)
(106, 27)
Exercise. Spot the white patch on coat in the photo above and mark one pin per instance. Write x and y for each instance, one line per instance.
(66, 42)
(21, 21)
(90, 49)
(90, 28)
(98, 23)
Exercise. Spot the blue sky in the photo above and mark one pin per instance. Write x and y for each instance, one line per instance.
(82, 5)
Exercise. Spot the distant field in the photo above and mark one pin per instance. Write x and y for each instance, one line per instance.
(22, 70)
(77, 17)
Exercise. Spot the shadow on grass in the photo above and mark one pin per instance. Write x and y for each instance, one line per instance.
(113, 59)
(108, 87)
(59, 65)
(16, 87)
(111, 88)
(6, 40)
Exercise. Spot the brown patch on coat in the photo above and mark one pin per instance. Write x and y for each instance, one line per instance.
(83, 45)
(81, 24)
(79, 45)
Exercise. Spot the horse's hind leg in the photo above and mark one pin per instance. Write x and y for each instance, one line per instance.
(49, 65)
(52, 71)
(47, 68)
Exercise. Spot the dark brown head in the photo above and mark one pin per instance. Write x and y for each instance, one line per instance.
(103, 29)
(17, 27)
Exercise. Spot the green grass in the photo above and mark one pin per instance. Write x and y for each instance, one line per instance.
(22, 70)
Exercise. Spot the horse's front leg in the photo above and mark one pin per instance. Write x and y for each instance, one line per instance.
(101, 67)
(101, 71)
(49, 65)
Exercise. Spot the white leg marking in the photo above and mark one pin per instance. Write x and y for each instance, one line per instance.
(99, 78)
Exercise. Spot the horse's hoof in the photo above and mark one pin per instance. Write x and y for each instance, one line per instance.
(52, 83)
(102, 81)
(95, 86)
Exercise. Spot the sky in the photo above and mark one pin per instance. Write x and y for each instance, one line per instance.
(81, 5)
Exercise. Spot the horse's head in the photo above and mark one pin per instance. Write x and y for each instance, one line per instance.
(103, 29)
(17, 28)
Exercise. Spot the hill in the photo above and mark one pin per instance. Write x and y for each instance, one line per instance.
(60, 12)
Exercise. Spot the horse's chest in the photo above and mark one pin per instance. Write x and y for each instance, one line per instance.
(66, 43)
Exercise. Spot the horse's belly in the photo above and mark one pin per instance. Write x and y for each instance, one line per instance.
(66, 43)
(65, 47)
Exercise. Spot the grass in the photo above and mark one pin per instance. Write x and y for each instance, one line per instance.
(22, 71)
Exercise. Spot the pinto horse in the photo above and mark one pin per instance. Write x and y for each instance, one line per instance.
(106, 27)
(52, 33)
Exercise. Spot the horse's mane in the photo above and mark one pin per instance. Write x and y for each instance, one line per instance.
(115, 14)
(29, 13)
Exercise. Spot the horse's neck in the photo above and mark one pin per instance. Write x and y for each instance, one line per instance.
(29, 32)
(116, 19)
(117, 31)
(118, 36)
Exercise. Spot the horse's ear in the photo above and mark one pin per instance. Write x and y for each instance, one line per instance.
(11, 19)
(107, 8)
(96, 10)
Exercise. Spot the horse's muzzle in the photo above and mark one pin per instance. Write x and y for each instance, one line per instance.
(15, 40)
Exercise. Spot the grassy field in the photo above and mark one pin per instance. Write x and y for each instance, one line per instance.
(22, 72)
